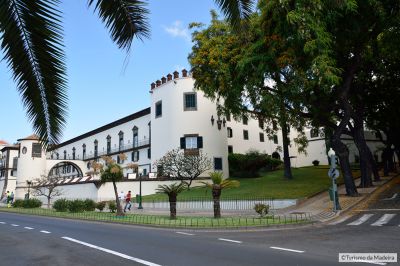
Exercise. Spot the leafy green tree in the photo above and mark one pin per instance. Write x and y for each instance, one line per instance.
(172, 192)
(218, 184)
(32, 43)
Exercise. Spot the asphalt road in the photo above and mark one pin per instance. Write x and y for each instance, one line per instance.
(30, 240)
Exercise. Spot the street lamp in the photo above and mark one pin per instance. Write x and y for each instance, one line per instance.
(140, 189)
(29, 187)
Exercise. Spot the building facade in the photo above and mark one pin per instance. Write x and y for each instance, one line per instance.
(178, 117)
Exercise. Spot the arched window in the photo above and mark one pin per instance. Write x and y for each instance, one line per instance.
(73, 153)
(65, 154)
(121, 140)
(108, 144)
(135, 131)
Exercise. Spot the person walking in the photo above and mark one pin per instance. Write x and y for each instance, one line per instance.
(128, 203)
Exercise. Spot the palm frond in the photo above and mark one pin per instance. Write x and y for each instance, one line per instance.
(174, 188)
(236, 10)
(31, 40)
(125, 19)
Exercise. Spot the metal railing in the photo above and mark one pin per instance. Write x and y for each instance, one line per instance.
(120, 149)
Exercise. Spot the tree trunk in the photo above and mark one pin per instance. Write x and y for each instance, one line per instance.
(119, 208)
(48, 202)
(373, 164)
(172, 206)
(361, 144)
(216, 193)
(4, 185)
(343, 154)
(285, 144)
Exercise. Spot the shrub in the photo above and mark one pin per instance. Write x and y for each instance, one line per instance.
(101, 205)
(61, 205)
(19, 203)
(112, 206)
(315, 162)
(261, 209)
(29, 203)
(76, 206)
(249, 164)
(90, 205)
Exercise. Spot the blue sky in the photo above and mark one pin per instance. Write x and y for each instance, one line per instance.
(100, 88)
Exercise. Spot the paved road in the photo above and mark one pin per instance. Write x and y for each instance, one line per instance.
(30, 240)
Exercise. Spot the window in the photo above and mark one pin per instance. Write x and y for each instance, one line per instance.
(191, 142)
(57, 156)
(83, 151)
(36, 150)
(135, 131)
(275, 139)
(108, 144)
(158, 109)
(189, 101)
(245, 120)
(261, 137)
(228, 117)
(96, 148)
(274, 125)
(73, 153)
(245, 134)
(149, 153)
(314, 133)
(218, 164)
(261, 123)
(230, 149)
(120, 140)
(135, 156)
(65, 155)
(230, 132)
(145, 172)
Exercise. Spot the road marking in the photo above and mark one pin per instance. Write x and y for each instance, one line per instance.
(230, 240)
(29, 228)
(183, 233)
(384, 219)
(45, 232)
(14, 225)
(2, 223)
(288, 249)
(386, 210)
(144, 262)
(393, 197)
(362, 219)
(340, 220)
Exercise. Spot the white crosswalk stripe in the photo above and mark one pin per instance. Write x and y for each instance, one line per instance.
(384, 219)
(362, 219)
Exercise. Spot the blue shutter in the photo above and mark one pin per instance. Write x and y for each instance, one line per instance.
(183, 143)
(199, 142)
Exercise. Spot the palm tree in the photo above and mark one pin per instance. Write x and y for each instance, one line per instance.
(114, 173)
(32, 44)
(172, 191)
(218, 184)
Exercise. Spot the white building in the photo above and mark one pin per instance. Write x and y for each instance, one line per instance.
(178, 117)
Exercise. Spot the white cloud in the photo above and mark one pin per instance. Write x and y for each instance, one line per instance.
(177, 29)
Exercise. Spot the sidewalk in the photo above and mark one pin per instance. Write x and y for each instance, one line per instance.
(320, 207)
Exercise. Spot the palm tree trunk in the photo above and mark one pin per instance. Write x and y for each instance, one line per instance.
(119, 208)
(216, 193)
(172, 206)
(4, 185)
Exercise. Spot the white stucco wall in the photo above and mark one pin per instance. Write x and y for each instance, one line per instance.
(175, 122)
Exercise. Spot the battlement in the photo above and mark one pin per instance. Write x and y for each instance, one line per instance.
(169, 78)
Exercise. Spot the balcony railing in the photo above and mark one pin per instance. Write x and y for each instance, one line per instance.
(116, 150)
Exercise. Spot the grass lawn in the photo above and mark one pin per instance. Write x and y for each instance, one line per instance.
(306, 182)
(164, 221)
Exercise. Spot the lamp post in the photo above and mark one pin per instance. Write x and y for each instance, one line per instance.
(29, 187)
(140, 189)
(333, 173)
